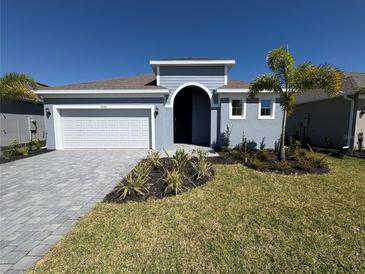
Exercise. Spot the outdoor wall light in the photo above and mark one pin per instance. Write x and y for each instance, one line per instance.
(48, 113)
(156, 111)
(362, 112)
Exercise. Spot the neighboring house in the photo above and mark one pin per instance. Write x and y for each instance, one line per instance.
(184, 101)
(331, 121)
(21, 121)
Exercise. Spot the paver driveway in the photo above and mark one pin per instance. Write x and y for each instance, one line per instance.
(43, 196)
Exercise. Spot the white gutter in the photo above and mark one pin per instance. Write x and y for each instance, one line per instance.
(239, 90)
(103, 91)
(351, 117)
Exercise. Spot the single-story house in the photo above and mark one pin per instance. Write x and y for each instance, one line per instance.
(185, 100)
(21, 121)
(337, 121)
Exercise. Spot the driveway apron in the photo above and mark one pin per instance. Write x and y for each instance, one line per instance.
(42, 197)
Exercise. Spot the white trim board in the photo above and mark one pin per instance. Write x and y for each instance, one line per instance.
(240, 90)
(193, 84)
(192, 62)
(57, 123)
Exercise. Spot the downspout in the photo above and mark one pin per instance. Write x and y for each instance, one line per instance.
(351, 117)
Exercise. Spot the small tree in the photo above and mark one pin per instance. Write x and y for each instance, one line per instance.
(289, 80)
(17, 86)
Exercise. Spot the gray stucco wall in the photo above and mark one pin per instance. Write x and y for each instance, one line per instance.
(253, 128)
(327, 118)
(174, 76)
(16, 122)
(18, 126)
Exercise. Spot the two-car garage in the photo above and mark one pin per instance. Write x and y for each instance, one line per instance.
(105, 128)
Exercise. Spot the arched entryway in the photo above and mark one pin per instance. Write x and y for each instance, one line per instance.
(192, 116)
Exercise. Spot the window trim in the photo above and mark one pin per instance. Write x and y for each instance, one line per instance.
(237, 117)
(267, 117)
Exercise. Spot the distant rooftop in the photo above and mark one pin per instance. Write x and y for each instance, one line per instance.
(351, 83)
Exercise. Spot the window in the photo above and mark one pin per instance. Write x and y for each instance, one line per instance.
(237, 109)
(266, 109)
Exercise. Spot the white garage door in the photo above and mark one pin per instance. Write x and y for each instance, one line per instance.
(106, 128)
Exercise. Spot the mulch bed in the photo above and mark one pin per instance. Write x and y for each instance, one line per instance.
(293, 166)
(157, 184)
(18, 157)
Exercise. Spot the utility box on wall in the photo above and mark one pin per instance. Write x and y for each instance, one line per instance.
(21, 121)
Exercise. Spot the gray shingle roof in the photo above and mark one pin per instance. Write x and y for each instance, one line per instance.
(144, 81)
(357, 79)
(351, 83)
(236, 84)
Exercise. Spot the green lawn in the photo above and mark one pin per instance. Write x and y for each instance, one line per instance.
(242, 221)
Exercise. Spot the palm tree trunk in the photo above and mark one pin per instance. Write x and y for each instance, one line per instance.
(281, 155)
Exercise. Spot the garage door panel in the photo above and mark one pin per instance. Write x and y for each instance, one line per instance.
(81, 131)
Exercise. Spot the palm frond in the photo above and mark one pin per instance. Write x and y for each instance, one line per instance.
(17, 86)
(264, 82)
(281, 62)
(309, 76)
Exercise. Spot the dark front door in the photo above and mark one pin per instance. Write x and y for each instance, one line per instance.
(183, 117)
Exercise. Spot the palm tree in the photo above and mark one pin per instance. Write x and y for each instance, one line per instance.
(289, 80)
(17, 86)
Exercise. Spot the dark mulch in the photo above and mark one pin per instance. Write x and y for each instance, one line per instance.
(18, 157)
(293, 165)
(157, 184)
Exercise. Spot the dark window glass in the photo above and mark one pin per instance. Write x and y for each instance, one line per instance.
(236, 107)
(265, 108)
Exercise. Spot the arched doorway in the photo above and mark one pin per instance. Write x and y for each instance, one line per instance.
(192, 116)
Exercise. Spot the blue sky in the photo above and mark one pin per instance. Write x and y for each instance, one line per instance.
(69, 41)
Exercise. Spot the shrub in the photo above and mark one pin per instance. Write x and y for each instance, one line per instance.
(180, 159)
(255, 163)
(141, 171)
(262, 144)
(7, 154)
(281, 165)
(202, 168)
(136, 182)
(264, 155)
(153, 158)
(13, 147)
(38, 144)
(294, 147)
(227, 138)
(173, 180)
(317, 162)
(244, 153)
(23, 150)
(305, 165)
(201, 155)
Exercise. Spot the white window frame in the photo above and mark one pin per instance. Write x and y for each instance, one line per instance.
(267, 117)
(237, 117)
